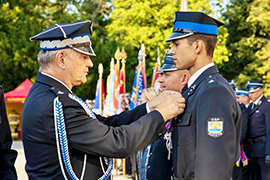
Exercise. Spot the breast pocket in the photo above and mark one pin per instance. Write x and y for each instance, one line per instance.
(184, 130)
(258, 114)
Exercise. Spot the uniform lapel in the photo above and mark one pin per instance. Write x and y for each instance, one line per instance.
(256, 106)
(186, 92)
(208, 72)
(252, 110)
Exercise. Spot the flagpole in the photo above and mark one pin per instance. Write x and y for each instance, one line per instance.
(124, 56)
(143, 62)
(117, 56)
(100, 71)
(156, 67)
(140, 58)
(107, 110)
(184, 5)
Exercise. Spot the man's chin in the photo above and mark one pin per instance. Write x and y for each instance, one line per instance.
(79, 83)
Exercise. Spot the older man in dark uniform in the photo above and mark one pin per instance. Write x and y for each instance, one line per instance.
(62, 137)
(259, 131)
(7, 155)
(206, 137)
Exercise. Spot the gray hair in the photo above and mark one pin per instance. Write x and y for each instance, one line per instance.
(45, 58)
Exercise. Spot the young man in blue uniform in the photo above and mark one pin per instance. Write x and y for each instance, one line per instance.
(206, 137)
(7, 155)
(62, 137)
(259, 131)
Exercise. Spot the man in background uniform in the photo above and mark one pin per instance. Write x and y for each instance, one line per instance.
(243, 96)
(259, 131)
(159, 164)
(7, 155)
(206, 137)
(241, 167)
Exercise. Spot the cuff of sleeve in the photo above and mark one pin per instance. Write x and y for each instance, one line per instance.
(147, 108)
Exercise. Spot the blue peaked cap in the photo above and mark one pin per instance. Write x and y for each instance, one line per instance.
(67, 35)
(232, 84)
(188, 23)
(241, 92)
(168, 63)
(254, 85)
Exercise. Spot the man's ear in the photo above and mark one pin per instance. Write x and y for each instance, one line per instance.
(185, 79)
(60, 59)
(198, 45)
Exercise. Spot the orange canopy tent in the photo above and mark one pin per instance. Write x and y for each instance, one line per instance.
(15, 100)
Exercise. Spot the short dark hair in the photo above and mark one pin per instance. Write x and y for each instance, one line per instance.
(210, 42)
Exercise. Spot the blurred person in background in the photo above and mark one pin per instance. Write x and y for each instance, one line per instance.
(7, 155)
(241, 169)
(258, 131)
(142, 155)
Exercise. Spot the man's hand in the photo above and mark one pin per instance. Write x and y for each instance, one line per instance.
(169, 104)
(267, 160)
(161, 98)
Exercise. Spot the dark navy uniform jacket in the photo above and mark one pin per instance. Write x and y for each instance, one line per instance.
(259, 125)
(207, 136)
(7, 155)
(244, 111)
(86, 135)
(159, 167)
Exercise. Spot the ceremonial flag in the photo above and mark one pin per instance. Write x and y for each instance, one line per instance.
(100, 93)
(121, 99)
(139, 82)
(117, 56)
(155, 70)
(109, 108)
(122, 84)
(144, 74)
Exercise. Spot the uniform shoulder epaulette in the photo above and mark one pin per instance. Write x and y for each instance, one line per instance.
(57, 91)
(210, 80)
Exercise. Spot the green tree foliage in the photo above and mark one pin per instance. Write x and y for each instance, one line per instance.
(17, 62)
(19, 21)
(151, 22)
(239, 29)
(97, 11)
(259, 18)
(22, 19)
(248, 41)
(128, 24)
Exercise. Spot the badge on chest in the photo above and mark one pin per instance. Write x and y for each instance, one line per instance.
(215, 127)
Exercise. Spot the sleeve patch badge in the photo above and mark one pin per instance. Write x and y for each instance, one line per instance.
(215, 127)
